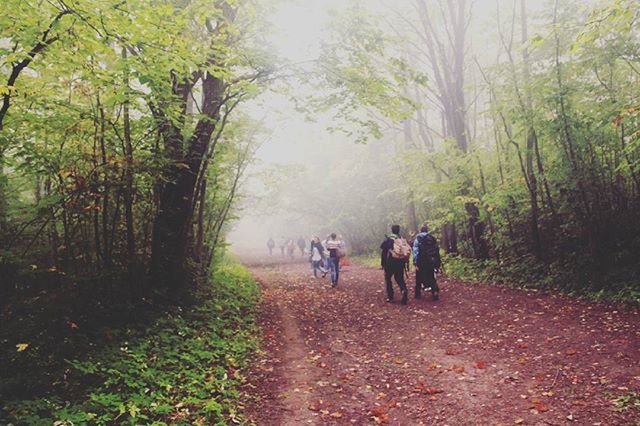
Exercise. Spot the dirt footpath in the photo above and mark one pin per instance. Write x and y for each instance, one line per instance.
(481, 355)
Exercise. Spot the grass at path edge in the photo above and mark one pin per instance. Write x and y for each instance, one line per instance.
(184, 369)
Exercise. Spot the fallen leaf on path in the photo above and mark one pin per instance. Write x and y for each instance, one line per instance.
(335, 415)
(378, 411)
(457, 369)
(541, 407)
(570, 352)
(380, 415)
(481, 365)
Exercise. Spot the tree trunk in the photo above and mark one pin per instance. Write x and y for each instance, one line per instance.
(171, 233)
(532, 141)
(128, 189)
(3, 198)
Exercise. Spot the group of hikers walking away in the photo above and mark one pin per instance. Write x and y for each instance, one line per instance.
(395, 255)
(288, 246)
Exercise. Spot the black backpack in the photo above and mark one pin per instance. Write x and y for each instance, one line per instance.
(429, 253)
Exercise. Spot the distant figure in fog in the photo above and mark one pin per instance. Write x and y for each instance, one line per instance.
(291, 248)
(317, 257)
(335, 253)
(270, 245)
(343, 252)
(282, 243)
(301, 244)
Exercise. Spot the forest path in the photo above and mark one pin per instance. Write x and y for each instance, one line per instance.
(481, 355)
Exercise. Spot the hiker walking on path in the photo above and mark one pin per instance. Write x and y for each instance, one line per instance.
(291, 248)
(301, 244)
(317, 257)
(270, 245)
(282, 243)
(426, 259)
(395, 255)
(334, 246)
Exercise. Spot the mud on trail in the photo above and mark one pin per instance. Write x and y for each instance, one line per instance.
(481, 355)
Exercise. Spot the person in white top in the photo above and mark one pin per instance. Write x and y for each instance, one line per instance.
(317, 252)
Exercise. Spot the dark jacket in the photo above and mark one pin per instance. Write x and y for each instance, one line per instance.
(386, 261)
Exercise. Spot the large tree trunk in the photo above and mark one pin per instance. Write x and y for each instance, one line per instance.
(172, 232)
(448, 58)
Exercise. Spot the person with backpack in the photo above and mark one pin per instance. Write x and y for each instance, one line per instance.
(270, 245)
(394, 256)
(426, 259)
(334, 247)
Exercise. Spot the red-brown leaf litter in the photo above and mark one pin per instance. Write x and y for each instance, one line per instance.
(481, 355)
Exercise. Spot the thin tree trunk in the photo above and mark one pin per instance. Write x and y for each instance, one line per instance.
(128, 189)
(105, 185)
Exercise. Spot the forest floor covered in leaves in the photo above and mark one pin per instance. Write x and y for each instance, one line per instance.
(480, 355)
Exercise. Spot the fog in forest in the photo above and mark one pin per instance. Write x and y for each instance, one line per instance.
(310, 179)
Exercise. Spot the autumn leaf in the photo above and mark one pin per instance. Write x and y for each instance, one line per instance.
(380, 415)
(433, 391)
(570, 352)
(383, 419)
(538, 405)
(335, 415)
(21, 347)
(378, 411)
(481, 365)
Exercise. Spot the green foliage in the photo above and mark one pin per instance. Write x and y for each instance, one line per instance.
(361, 78)
(184, 369)
(628, 402)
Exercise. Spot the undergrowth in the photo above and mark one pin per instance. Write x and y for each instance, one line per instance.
(184, 369)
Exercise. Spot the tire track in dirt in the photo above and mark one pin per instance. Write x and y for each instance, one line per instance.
(481, 355)
(288, 359)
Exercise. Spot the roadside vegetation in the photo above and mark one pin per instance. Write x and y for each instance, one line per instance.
(179, 365)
